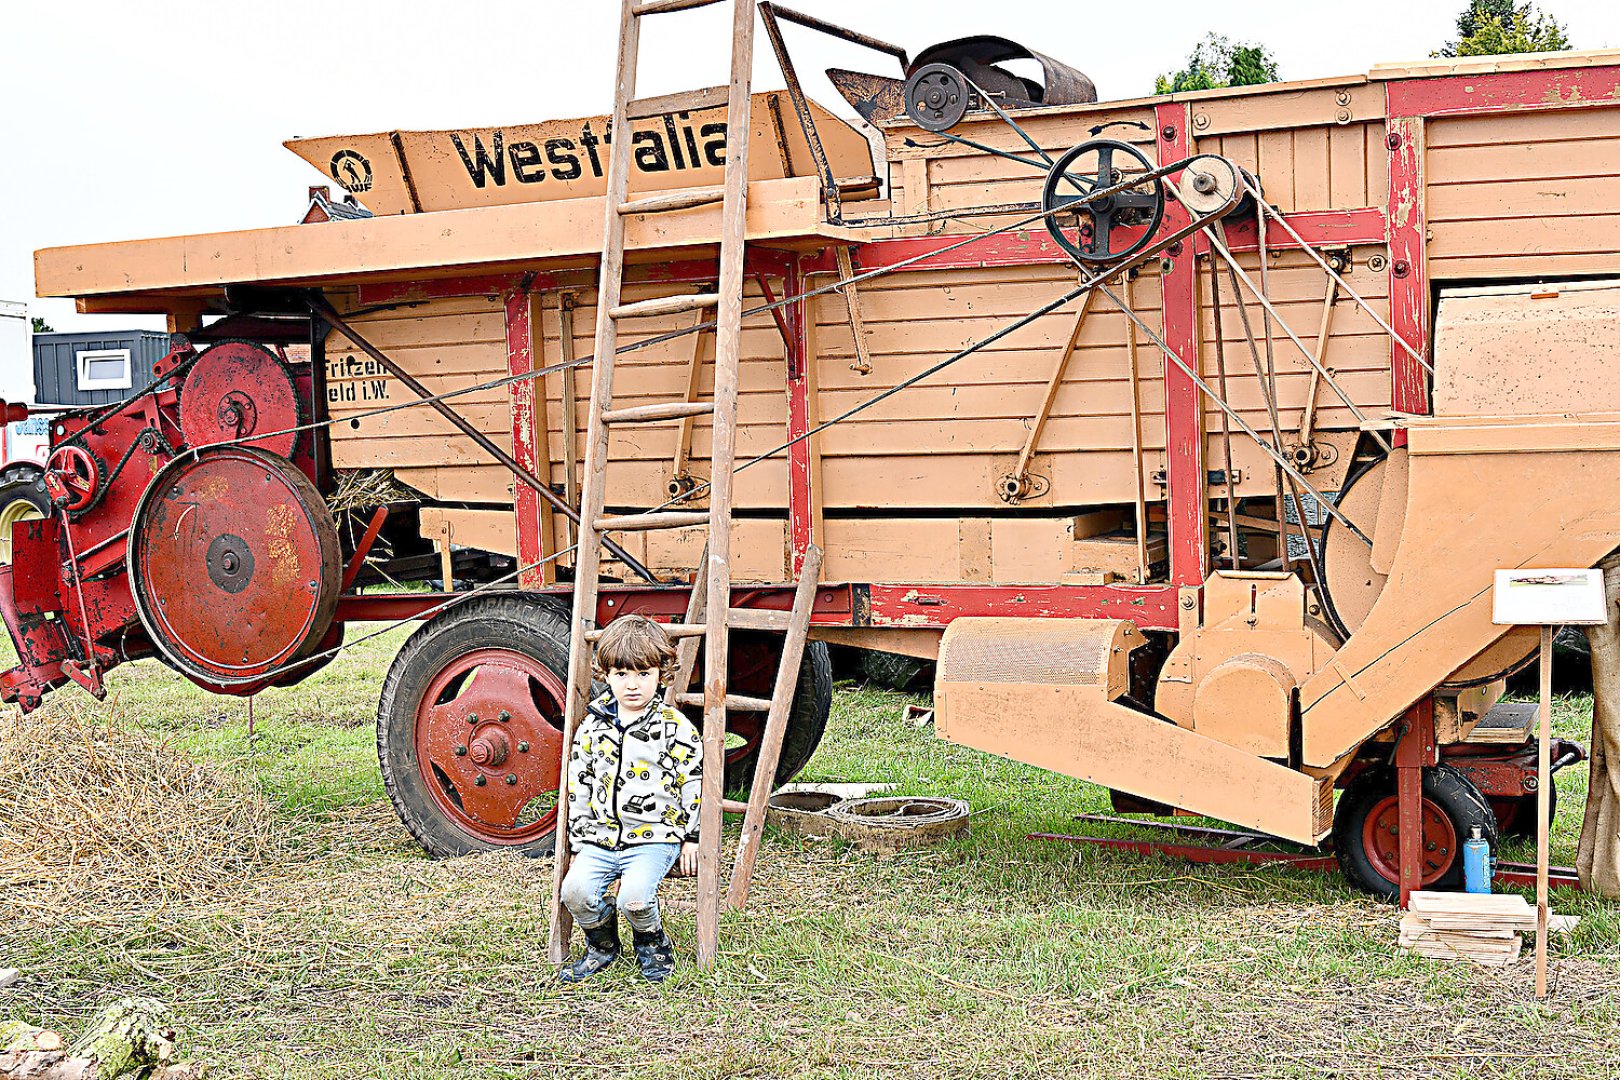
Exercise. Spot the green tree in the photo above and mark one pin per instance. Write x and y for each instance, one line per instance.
(1216, 62)
(41, 326)
(1495, 27)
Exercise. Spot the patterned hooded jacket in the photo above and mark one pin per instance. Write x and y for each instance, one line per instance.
(635, 781)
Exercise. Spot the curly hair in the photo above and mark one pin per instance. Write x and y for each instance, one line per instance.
(635, 643)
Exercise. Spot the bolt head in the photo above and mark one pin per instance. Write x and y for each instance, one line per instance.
(461, 751)
(478, 781)
(511, 778)
(1393, 141)
(1188, 602)
(523, 748)
(504, 717)
(472, 718)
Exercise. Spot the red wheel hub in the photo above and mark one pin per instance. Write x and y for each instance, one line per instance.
(489, 744)
(1381, 840)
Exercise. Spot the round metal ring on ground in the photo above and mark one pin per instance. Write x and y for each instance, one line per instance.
(234, 390)
(234, 564)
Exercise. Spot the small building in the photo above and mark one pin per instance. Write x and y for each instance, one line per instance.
(73, 370)
(322, 207)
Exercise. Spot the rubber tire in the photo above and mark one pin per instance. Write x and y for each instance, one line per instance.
(892, 671)
(1521, 823)
(20, 481)
(534, 625)
(1447, 788)
(806, 724)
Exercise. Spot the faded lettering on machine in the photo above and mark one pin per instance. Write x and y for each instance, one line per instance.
(682, 144)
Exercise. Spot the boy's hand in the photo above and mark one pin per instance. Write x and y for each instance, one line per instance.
(686, 865)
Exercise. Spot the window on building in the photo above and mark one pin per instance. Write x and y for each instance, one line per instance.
(104, 369)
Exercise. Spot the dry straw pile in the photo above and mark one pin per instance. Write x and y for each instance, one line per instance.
(106, 816)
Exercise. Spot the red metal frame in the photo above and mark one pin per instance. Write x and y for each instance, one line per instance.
(1186, 496)
(526, 503)
(800, 473)
(1504, 91)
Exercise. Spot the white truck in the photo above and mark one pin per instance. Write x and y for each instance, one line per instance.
(23, 443)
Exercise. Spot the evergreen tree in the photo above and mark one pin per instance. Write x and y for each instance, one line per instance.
(41, 326)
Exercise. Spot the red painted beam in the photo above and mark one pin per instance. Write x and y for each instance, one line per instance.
(1187, 497)
(393, 292)
(801, 474)
(928, 606)
(520, 359)
(1319, 228)
(1507, 91)
(1408, 264)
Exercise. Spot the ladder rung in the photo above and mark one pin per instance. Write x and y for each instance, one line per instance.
(674, 630)
(734, 702)
(648, 414)
(665, 305)
(659, 7)
(710, 97)
(674, 200)
(757, 619)
(647, 522)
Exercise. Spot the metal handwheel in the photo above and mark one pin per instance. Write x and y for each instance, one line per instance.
(1088, 168)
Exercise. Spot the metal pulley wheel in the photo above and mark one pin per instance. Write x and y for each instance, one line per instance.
(1071, 188)
(236, 390)
(234, 564)
(1207, 184)
(937, 97)
(73, 477)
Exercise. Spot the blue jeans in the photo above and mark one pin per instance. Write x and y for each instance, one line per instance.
(638, 868)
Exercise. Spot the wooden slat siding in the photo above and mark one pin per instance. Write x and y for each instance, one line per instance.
(1524, 192)
(1333, 167)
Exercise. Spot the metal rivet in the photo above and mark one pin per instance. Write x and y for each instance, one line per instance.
(461, 751)
(479, 781)
(523, 748)
(472, 718)
(1393, 140)
(511, 778)
(505, 716)
(1402, 268)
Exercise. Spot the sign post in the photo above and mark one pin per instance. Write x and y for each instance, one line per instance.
(1549, 599)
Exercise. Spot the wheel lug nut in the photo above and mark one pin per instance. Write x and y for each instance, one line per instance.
(523, 748)
(461, 751)
(478, 781)
(511, 778)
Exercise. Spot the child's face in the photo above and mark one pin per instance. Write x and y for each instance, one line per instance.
(633, 689)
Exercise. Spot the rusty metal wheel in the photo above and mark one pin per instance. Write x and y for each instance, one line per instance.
(1366, 829)
(469, 726)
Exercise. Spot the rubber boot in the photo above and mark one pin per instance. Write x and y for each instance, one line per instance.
(601, 949)
(655, 953)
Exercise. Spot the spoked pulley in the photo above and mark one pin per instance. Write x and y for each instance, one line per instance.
(234, 564)
(1087, 217)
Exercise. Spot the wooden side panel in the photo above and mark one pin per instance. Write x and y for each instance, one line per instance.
(1329, 167)
(1357, 351)
(1524, 193)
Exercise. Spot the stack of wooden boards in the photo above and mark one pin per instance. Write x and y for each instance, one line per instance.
(1487, 928)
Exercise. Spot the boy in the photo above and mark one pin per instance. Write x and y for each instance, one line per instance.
(635, 776)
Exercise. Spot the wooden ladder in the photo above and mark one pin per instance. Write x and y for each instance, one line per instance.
(710, 622)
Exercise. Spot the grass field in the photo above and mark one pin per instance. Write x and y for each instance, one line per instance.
(339, 949)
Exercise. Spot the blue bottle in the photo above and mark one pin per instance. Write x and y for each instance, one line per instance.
(1477, 864)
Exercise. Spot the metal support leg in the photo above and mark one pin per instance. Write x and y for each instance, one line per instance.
(1415, 751)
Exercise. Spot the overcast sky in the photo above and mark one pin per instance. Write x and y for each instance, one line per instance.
(162, 117)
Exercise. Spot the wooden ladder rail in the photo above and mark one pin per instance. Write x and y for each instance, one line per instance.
(716, 572)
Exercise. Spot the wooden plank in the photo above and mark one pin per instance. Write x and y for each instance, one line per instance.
(711, 97)
(512, 235)
(787, 682)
